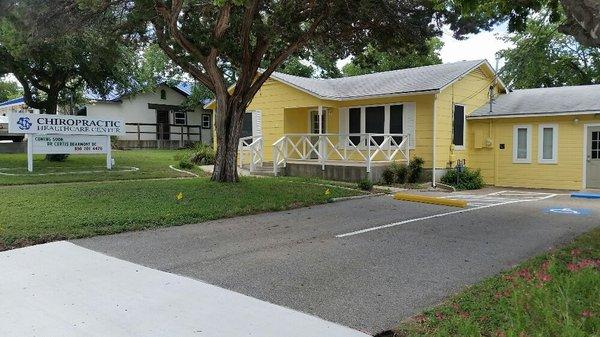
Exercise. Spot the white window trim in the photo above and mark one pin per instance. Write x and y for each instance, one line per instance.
(363, 116)
(184, 118)
(554, 159)
(515, 144)
(209, 121)
(460, 147)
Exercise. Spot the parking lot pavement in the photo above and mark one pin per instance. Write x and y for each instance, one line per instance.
(402, 257)
(60, 289)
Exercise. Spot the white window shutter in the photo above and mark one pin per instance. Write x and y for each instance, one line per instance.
(256, 124)
(343, 127)
(410, 122)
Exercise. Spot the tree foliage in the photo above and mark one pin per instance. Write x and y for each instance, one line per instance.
(373, 61)
(53, 59)
(544, 57)
(9, 90)
(578, 18)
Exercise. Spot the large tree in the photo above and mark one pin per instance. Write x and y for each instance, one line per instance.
(206, 36)
(372, 60)
(578, 18)
(55, 56)
(544, 57)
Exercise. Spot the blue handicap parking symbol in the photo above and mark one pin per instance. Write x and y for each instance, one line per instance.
(568, 211)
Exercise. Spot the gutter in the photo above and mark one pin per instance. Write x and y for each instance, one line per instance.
(543, 114)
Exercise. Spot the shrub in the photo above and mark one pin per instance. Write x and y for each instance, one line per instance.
(185, 164)
(203, 154)
(395, 173)
(415, 170)
(365, 185)
(466, 180)
(388, 176)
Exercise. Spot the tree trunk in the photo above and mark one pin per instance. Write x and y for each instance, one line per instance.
(228, 128)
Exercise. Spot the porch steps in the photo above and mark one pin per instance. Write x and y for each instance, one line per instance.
(265, 170)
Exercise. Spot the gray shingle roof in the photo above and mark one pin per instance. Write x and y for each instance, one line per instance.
(575, 99)
(413, 80)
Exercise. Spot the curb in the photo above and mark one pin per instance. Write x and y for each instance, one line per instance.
(430, 200)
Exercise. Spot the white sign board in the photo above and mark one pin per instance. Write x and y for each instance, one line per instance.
(64, 125)
(71, 144)
(63, 134)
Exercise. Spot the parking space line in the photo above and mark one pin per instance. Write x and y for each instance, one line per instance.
(507, 202)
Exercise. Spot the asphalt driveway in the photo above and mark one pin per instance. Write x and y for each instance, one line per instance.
(364, 263)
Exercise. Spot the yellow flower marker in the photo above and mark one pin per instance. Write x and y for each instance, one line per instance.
(327, 192)
(179, 196)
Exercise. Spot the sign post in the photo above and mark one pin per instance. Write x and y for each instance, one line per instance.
(64, 134)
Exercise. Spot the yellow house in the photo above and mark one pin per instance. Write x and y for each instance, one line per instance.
(351, 128)
(539, 138)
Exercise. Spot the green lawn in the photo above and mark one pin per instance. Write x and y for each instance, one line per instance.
(40, 213)
(556, 294)
(133, 164)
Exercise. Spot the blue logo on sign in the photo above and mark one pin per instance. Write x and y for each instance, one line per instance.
(24, 123)
(568, 211)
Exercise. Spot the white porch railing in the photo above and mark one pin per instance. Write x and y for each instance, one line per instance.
(250, 152)
(358, 148)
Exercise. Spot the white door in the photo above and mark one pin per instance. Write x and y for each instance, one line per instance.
(593, 157)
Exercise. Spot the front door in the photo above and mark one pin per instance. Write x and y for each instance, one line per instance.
(314, 129)
(593, 158)
(163, 127)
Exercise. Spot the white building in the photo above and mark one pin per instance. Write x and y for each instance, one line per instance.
(156, 116)
(153, 119)
(15, 105)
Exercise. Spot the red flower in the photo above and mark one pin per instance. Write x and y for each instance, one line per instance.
(545, 265)
(421, 318)
(464, 314)
(543, 277)
(439, 315)
(575, 252)
(572, 267)
(525, 274)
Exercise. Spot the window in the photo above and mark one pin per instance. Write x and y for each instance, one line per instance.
(354, 124)
(595, 145)
(522, 144)
(375, 121)
(458, 126)
(247, 128)
(380, 119)
(163, 94)
(397, 121)
(548, 144)
(180, 118)
(206, 121)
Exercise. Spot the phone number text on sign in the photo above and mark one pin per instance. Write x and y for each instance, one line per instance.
(70, 144)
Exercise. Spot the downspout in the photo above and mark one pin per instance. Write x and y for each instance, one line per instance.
(433, 183)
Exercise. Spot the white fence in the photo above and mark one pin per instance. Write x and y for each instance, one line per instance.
(358, 148)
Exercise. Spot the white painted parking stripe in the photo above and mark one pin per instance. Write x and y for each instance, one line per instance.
(483, 206)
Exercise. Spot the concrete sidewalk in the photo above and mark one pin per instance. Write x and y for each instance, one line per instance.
(60, 289)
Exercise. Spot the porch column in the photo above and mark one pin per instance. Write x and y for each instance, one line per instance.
(321, 140)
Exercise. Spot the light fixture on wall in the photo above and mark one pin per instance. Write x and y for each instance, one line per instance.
(575, 121)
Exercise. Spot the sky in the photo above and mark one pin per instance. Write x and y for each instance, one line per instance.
(479, 46)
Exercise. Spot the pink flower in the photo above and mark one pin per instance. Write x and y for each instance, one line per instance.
(543, 277)
(575, 252)
(572, 267)
(587, 313)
